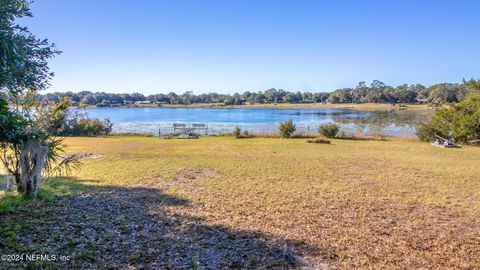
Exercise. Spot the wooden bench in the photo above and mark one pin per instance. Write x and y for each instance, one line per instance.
(200, 126)
(178, 126)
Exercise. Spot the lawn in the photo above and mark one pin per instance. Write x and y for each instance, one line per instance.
(220, 202)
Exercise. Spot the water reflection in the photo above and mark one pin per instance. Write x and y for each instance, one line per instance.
(262, 120)
(385, 122)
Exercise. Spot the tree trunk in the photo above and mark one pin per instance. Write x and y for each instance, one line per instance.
(20, 188)
(33, 157)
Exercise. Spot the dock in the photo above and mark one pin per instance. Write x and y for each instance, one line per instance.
(183, 130)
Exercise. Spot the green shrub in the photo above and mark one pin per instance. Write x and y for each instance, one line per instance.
(318, 140)
(287, 129)
(329, 130)
(88, 127)
(428, 131)
(237, 132)
(460, 122)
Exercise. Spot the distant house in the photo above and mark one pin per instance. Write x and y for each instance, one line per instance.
(143, 102)
(161, 102)
(422, 100)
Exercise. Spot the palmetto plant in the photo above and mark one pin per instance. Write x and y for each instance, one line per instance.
(31, 161)
(58, 163)
(29, 151)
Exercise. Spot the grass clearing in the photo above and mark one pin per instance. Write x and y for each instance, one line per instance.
(391, 204)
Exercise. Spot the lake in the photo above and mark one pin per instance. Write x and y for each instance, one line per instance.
(262, 120)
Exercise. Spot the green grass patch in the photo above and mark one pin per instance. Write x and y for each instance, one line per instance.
(51, 188)
(9, 200)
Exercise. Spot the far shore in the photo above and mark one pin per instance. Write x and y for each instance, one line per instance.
(360, 107)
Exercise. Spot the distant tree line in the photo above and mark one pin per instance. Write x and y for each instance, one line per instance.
(376, 92)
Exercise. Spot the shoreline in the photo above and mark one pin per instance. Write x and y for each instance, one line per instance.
(358, 107)
(275, 135)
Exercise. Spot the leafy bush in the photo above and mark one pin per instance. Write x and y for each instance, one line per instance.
(319, 140)
(461, 122)
(237, 132)
(287, 129)
(246, 134)
(427, 131)
(329, 130)
(88, 127)
(57, 120)
(12, 124)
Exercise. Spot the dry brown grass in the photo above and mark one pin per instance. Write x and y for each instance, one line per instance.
(370, 204)
(334, 197)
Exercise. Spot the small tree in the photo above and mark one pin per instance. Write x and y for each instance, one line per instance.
(28, 150)
(459, 121)
(329, 130)
(23, 57)
(30, 153)
(287, 129)
(237, 132)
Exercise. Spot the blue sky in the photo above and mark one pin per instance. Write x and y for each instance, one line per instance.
(227, 46)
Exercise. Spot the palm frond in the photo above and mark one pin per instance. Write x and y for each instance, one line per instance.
(57, 162)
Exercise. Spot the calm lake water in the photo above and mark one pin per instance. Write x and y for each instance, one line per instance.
(150, 120)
